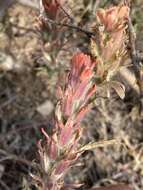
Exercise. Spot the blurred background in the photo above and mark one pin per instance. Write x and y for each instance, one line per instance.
(32, 62)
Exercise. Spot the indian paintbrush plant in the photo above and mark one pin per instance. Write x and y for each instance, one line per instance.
(88, 73)
(55, 35)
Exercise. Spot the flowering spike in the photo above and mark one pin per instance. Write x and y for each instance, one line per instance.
(60, 150)
(70, 110)
(113, 17)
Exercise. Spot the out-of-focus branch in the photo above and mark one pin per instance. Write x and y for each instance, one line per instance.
(114, 187)
(79, 29)
(4, 4)
(134, 56)
(96, 5)
(4, 155)
(132, 41)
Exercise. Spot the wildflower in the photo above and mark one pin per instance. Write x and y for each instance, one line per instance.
(114, 17)
(59, 152)
(111, 47)
(79, 85)
(51, 7)
(113, 37)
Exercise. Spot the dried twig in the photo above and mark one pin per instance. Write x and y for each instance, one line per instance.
(79, 29)
(9, 156)
(93, 145)
(67, 14)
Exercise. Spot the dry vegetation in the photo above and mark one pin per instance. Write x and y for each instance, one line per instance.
(31, 65)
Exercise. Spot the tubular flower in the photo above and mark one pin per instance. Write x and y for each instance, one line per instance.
(79, 85)
(59, 152)
(112, 38)
(114, 17)
(51, 7)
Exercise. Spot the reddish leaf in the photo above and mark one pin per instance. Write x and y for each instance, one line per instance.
(82, 112)
(66, 134)
(61, 167)
(53, 150)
